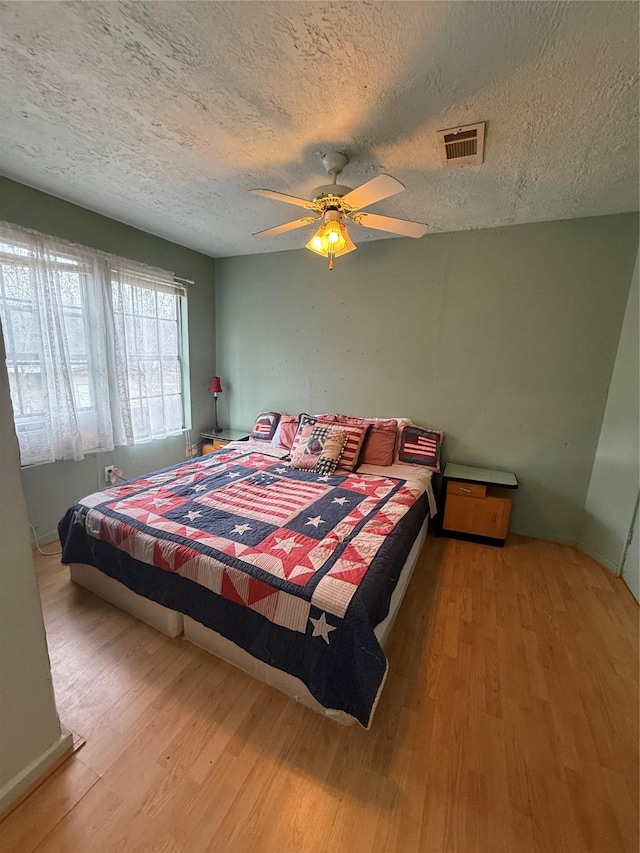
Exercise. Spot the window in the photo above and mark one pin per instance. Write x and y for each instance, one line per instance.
(93, 347)
(148, 325)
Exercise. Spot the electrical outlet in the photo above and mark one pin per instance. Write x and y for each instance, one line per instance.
(110, 474)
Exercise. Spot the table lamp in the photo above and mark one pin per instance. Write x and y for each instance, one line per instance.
(216, 388)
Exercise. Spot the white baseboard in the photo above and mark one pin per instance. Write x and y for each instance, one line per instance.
(32, 772)
(590, 552)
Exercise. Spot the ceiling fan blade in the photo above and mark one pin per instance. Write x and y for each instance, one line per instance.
(290, 199)
(389, 223)
(374, 190)
(286, 226)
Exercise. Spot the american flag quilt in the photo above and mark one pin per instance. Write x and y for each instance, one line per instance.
(295, 567)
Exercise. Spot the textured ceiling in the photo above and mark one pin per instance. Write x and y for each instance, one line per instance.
(164, 114)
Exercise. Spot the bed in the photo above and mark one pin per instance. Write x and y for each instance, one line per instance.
(293, 576)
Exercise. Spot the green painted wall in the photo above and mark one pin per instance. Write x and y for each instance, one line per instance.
(50, 489)
(613, 490)
(505, 338)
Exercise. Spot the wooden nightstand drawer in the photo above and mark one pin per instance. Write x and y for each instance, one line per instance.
(483, 516)
(216, 444)
(469, 490)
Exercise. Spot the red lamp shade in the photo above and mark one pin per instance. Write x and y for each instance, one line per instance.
(215, 387)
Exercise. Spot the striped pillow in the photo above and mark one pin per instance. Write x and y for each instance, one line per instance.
(288, 429)
(351, 452)
(421, 447)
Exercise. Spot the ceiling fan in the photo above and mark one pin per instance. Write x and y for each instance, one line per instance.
(334, 203)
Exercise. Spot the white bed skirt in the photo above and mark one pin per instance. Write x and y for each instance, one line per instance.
(172, 623)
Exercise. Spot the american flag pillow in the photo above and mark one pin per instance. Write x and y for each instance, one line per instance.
(421, 447)
(355, 437)
(265, 426)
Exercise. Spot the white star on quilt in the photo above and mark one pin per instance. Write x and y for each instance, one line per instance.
(358, 485)
(286, 545)
(78, 517)
(280, 470)
(321, 628)
(324, 478)
(241, 528)
(193, 513)
(341, 501)
(234, 474)
(199, 488)
(314, 522)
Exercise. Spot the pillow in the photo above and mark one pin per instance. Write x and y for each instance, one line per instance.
(328, 417)
(265, 426)
(288, 429)
(380, 441)
(303, 421)
(275, 441)
(356, 435)
(319, 448)
(421, 447)
(402, 423)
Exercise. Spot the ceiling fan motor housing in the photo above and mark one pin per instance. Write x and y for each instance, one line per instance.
(337, 190)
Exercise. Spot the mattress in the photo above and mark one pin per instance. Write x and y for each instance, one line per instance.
(294, 568)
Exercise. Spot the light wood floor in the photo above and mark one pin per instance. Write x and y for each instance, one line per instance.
(509, 723)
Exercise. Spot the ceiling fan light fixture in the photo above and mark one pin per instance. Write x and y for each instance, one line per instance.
(317, 243)
(331, 240)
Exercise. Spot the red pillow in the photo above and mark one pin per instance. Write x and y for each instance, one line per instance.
(380, 443)
(288, 429)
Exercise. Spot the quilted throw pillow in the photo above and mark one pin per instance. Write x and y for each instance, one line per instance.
(421, 447)
(265, 426)
(355, 437)
(319, 448)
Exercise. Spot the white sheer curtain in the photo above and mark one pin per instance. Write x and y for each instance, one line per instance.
(68, 346)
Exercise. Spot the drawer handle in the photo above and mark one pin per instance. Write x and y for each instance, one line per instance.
(494, 517)
(462, 489)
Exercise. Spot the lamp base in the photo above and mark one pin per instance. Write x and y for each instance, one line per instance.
(216, 428)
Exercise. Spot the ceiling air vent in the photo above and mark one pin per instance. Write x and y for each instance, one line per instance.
(462, 146)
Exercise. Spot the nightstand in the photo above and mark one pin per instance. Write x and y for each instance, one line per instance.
(475, 504)
(210, 441)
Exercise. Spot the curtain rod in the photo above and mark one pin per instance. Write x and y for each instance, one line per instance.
(75, 246)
